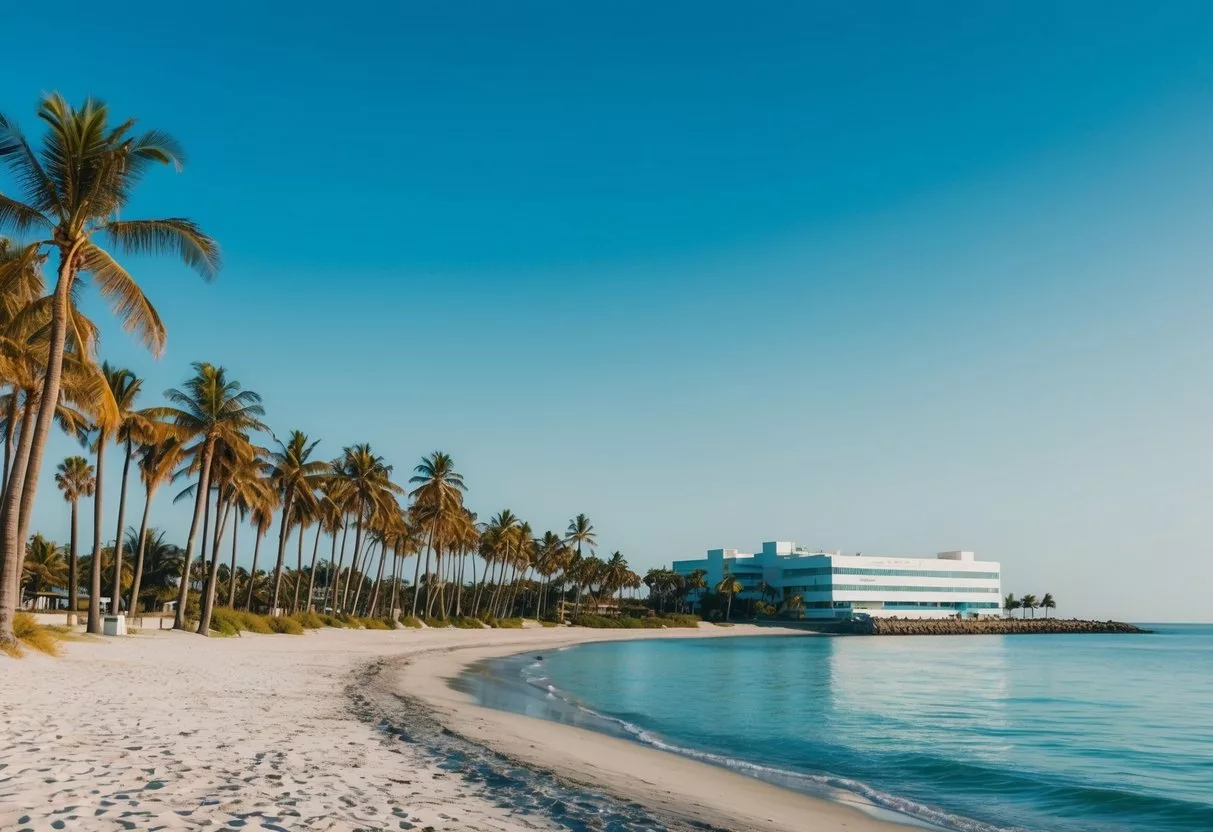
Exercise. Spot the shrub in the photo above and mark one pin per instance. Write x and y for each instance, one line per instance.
(464, 622)
(679, 620)
(285, 624)
(308, 620)
(32, 634)
(411, 621)
(547, 623)
(332, 620)
(628, 623)
(509, 623)
(378, 624)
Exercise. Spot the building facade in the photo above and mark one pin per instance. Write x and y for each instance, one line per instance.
(833, 585)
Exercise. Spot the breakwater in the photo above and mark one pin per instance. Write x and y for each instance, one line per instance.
(973, 627)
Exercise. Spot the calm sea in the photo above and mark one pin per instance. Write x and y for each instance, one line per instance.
(1085, 733)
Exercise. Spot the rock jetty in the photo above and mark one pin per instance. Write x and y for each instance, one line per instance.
(975, 627)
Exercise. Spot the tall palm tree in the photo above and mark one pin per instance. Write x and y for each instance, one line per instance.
(439, 494)
(72, 195)
(157, 461)
(117, 379)
(366, 488)
(580, 532)
(210, 408)
(1010, 603)
(262, 515)
(296, 477)
(76, 478)
(730, 586)
(134, 428)
(1047, 603)
(1028, 602)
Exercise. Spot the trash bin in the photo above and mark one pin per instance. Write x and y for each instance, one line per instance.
(114, 625)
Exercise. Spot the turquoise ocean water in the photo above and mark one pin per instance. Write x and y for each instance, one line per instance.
(1084, 733)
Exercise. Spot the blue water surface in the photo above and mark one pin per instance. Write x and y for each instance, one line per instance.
(1082, 733)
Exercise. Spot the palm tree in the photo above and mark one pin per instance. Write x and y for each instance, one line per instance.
(615, 574)
(162, 564)
(157, 461)
(365, 488)
(580, 532)
(43, 566)
(698, 580)
(730, 586)
(116, 379)
(795, 604)
(75, 478)
(210, 408)
(73, 193)
(1028, 602)
(262, 515)
(134, 427)
(1010, 603)
(439, 496)
(1047, 603)
(296, 477)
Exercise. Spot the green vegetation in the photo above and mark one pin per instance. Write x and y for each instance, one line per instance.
(629, 623)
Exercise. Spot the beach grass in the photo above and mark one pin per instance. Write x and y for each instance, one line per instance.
(31, 634)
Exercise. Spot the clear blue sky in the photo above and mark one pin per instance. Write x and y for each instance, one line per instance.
(885, 277)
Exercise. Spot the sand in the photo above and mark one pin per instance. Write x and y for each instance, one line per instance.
(336, 730)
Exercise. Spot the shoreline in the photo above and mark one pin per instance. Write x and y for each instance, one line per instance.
(683, 791)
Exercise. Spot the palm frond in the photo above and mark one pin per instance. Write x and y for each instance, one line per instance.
(128, 301)
(19, 216)
(174, 235)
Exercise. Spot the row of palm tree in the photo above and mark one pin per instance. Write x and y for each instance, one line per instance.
(70, 198)
(1028, 603)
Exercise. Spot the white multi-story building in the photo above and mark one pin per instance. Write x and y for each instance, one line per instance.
(833, 585)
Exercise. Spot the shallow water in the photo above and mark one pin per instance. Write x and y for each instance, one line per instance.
(1082, 733)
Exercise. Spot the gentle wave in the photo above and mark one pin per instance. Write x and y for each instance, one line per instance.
(839, 789)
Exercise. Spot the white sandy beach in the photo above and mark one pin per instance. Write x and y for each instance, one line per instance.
(172, 731)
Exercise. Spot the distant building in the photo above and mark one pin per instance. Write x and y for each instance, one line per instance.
(833, 585)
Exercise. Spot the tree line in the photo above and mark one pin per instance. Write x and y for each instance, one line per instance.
(69, 208)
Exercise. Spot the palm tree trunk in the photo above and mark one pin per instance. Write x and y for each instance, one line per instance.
(94, 594)
(73, 577)
(200, 502)
(311, 581)
(115, 598)
(222, 509)
(345, 595)
(19, 502)
(283, 531)
(345, 527)
(298, 571)
(431, 596)
(357, 550)
(484, 576)
(417, 573)
(133, 606)
(10, 425)
(459, 585)
(206, 527)
(252, 575)
(231, 582)
(395, 581)
(374, 605)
